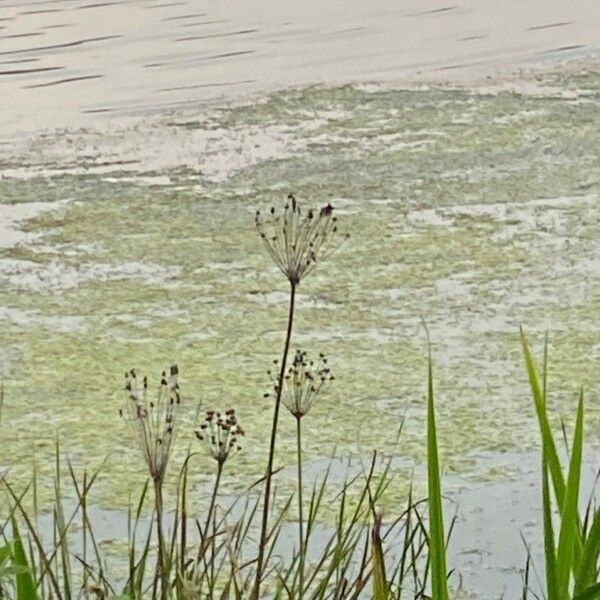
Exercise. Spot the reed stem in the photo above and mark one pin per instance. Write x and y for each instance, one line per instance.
(161, 574)
(300, 507)
(211, 508)
(269, 474)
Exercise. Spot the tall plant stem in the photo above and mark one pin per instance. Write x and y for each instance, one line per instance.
(211, 508)
(161, 571)
(301, 548)
(269, 474)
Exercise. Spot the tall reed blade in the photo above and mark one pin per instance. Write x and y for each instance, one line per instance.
(549, 546)
(548, 444)
(26, 589)
(567, 558)
(437, 543)
(380, 584)
(588, 567)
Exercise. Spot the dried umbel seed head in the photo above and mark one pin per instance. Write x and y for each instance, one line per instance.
(154, 419)
(296, 240)
(303, 381)
(220, 434)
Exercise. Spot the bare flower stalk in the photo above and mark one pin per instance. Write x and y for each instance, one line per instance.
(304, 381)
(220, 436)
(269, 474)
(296, 242)
(301, 549)
(155, 423)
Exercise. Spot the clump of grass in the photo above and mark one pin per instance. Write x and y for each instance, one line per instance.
(571, 560)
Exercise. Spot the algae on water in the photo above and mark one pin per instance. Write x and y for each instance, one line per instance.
(477, 211)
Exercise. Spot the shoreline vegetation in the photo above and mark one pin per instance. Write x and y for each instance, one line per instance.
(233, 552)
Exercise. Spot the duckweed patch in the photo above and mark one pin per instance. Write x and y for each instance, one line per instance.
(477, 211)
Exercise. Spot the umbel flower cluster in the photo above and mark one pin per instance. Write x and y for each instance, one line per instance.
(298, 240)
(154, 419)
(303, 381)
(220, 435)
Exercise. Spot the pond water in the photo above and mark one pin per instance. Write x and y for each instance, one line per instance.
(129, 241)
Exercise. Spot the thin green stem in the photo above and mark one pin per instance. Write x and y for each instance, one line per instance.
(269, 473)
(300, 507)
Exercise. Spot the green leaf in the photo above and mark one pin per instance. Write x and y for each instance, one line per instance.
(586, 574)
(569, 528)
(591, 593)
(437, 544)
(5, 552)
(549, 548)
(12, 570)
(26, 589)
(380, 585)
(548, 444)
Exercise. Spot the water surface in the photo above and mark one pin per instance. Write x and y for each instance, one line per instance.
(130, 242)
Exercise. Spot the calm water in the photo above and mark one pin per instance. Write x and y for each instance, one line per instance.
(474, 208)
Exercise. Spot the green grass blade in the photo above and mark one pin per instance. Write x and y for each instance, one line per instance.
(548, 444)
(591, 593)
(26, 589)
(437, 545)
(549, 547)
(380, 585)
(569, 529)
(586, 574)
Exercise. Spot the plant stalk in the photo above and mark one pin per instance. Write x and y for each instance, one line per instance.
(211, 508)
(161, 572)
(269, 474)
(300, 507)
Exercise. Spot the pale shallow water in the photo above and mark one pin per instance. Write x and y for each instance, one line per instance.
(130, 242)
(74, 62)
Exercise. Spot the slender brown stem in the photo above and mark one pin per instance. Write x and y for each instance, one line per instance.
(83, 501)
(161, 573)
(183, 536)
(269, 474)
(301, 548)
(211, 508)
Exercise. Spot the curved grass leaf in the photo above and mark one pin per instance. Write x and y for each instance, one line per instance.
(549, 548)
(548, 444)
(591, 593)
(380, 586)
(569, 530)
(437, 543)
(588, 566)
(26, 589)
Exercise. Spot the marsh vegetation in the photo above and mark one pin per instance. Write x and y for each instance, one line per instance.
(232, 547)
